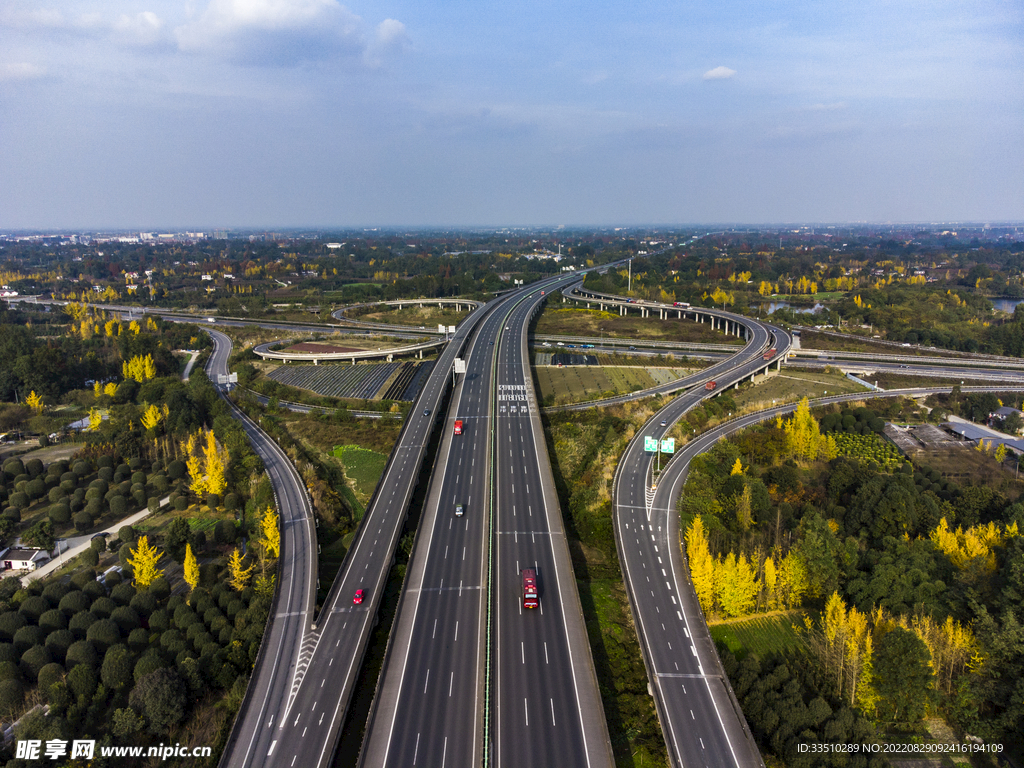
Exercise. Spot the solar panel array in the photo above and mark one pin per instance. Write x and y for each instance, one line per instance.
(373, 381)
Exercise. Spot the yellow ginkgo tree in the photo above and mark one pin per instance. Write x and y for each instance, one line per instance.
(143, 562)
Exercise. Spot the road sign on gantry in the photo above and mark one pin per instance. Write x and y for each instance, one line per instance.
(460, 365)
(440, 329)
(668, 445)
(650, 444)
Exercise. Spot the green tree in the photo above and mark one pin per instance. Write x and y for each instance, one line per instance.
(160, 698)
(902, 676)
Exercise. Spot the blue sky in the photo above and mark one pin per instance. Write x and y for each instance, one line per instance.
(274, 113)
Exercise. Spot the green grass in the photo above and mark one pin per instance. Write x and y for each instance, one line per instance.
(759, 635)
(573, 384)
(363, 467)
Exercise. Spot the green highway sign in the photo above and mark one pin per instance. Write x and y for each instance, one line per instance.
(668, 445)
(650, 443)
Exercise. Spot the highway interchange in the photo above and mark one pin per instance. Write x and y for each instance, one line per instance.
(470, 677)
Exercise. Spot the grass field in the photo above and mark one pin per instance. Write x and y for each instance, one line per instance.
(430, 316)
(363, 467)
(593, 322)
(574, 384)
(790, 385)
(759, 635)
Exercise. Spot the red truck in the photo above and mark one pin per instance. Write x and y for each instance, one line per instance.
(769, 354)
(458, 427)
(710, 385)
(529, 588)
(682, 304)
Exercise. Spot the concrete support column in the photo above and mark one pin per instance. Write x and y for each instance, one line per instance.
(421, 354)
(316, 361)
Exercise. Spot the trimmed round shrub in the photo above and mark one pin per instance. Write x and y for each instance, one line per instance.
(126, 534)
(224, 532)
(94, 508)
(11, 622)
(83, 522)
(150, 662)
(81, 468)
(69, 477)
(113, 580)
(58, 643)
(125, 488)
(100, 485)
(106, 474)
(231, 502)
(161, 484)
(9, 670)
(28, 636)
(82, 681)
(34, 467)
(81, 652)
(14, 467)
(55, 592)
(213, 501)
(159, 620)
(18, 500)
(103, 634)
(135, 463)
(35, 489)
(52, 620)
(68, 486)
(94, 589)
(102, 607)
(139, 478)
(98, 543)
(175, 470)
(139, 497)
(13, 514)
(90, 557)
(33, 660)
(55, 494)
(74, 602)
(80, 623)
(34, 607)
(9, 653)
(138, 639)
(118, 664)
(105, 461)
(59, 514)
(160, 588)
(123, 593)
(118, 506)
(181, 503)
(50, 673)
(226, 635)
(125, 618)
(143, 603)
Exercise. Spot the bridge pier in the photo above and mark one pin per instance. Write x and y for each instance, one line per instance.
(316, 361)
(421, 354)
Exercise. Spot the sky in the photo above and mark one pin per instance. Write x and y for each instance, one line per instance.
(162, 114)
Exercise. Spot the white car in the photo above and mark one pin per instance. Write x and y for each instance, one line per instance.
(459, 510)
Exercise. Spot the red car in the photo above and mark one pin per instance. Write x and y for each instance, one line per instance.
(358, 599)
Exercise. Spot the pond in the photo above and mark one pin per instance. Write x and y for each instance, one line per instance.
(772, 306)
(1006, 305)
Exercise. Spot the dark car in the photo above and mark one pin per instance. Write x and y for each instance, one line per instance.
(426, 411)
(358, 599)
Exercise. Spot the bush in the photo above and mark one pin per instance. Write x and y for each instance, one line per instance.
(18, 501)
(26, 637)
(9, 653)
(123, 593)
(90, 557)
(82, 681)
(55, 494)
(81, 652)
(231, 502)
(105, 473)
(80, 623)
(11, 622)
(59, 514)
(126, 534)
(55, 592)
(53, 620)
(74, 602)
(118, 506)
(94, 589)
(48, 675)
(58, 643)
(181, 503)
(125, 618)
(102, 607)
(149, 663)
(138, 639)
(175, 470)
(35, 489)
(213, 501)
(33, 660)
(34, 607)
(224, 532)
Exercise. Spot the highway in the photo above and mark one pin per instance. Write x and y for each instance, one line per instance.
(299, 720)
(288, 628)
(432, 706)
(701, 723)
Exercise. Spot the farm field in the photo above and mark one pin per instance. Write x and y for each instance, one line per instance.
(759, 635)
(367, 381)
(573, 384)
(593, 322)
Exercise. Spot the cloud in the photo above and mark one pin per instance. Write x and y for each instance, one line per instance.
(272, 31)
(719, 73)
(145, 28)
(21, 70)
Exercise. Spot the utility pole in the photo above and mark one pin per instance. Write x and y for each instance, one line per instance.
(629, 285)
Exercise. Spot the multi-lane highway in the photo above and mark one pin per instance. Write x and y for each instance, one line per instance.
(701, 723)
(434, 706)
(298, 723)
